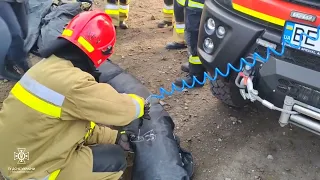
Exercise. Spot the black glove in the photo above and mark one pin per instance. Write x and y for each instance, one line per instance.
(146, 112)
(123, 139)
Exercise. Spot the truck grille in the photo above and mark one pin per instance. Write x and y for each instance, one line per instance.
(299, 92)
(294, 56)
(309, 3)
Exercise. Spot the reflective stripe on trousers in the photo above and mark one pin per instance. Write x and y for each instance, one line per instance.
(167, 9)
(194, 4)
(124, 9)
(112, 9)
(179, 28)
(194, 60)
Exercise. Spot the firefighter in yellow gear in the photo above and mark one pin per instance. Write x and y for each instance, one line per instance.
(49, 122)
(167, 12)
(178, 29)
(118, 10)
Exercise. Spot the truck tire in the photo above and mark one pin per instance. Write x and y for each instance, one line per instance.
(227, 92)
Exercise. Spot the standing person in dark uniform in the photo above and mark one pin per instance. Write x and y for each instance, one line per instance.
(13, 28)
(193, 11)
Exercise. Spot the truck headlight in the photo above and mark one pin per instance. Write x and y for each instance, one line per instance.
(221, 31)
(208, 45)
(210, 26)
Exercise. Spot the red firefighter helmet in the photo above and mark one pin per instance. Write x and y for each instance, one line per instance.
(94, 33)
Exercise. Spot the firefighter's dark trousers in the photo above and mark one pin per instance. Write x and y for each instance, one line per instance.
(108, 158)
(192, 19)
(11, 38)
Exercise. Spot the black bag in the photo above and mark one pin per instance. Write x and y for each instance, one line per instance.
(158, 155)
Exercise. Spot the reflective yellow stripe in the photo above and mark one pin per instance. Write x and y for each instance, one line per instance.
(85, 44)
(181, 2)
(34, 102)
(194, 4)
(167, 11)
(124, 11)
(112, 12)
(139, 102)
(179, 28)
(194, 60)
(67, 32)
(179, 31)
(92, 125)
(54, 175)
(41, 91)
(259, 15)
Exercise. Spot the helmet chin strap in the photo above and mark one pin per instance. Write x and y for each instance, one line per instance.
(57, 44)
(78, 58)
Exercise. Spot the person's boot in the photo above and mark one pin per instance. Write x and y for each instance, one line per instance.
(176, 45)
(185, 67)
(123, 25)
(24, 66)
(10, 74)
(189, 80)
(164, 24)
(196, 70)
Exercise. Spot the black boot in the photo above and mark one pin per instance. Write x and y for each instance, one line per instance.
(185, 67)
(176, 45)
(10, 74)
(189, 80)
(164, 24)
(123, 25)
(23, 67)
(195, 70)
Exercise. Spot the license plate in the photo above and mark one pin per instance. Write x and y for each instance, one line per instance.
(291, 33)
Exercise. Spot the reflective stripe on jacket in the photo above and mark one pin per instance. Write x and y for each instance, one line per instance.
(181, 2)
(51, 112)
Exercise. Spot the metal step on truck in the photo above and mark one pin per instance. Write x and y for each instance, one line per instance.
(287, 78)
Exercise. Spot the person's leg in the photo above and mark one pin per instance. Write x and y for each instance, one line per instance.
(167, 12)
(5, 39)
(108, 158)
(179, 26)
(124, 13)
(112, 9)
(16, 54)
(95, 163)
(196, 69)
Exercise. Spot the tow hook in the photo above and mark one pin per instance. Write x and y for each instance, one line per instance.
(247, 91)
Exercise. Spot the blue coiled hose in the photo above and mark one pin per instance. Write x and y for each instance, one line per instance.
(243, 62)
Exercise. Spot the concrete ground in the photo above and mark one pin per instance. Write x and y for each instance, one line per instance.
(227, 144)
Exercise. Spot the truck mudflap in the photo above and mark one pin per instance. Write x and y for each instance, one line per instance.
(158, 154)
